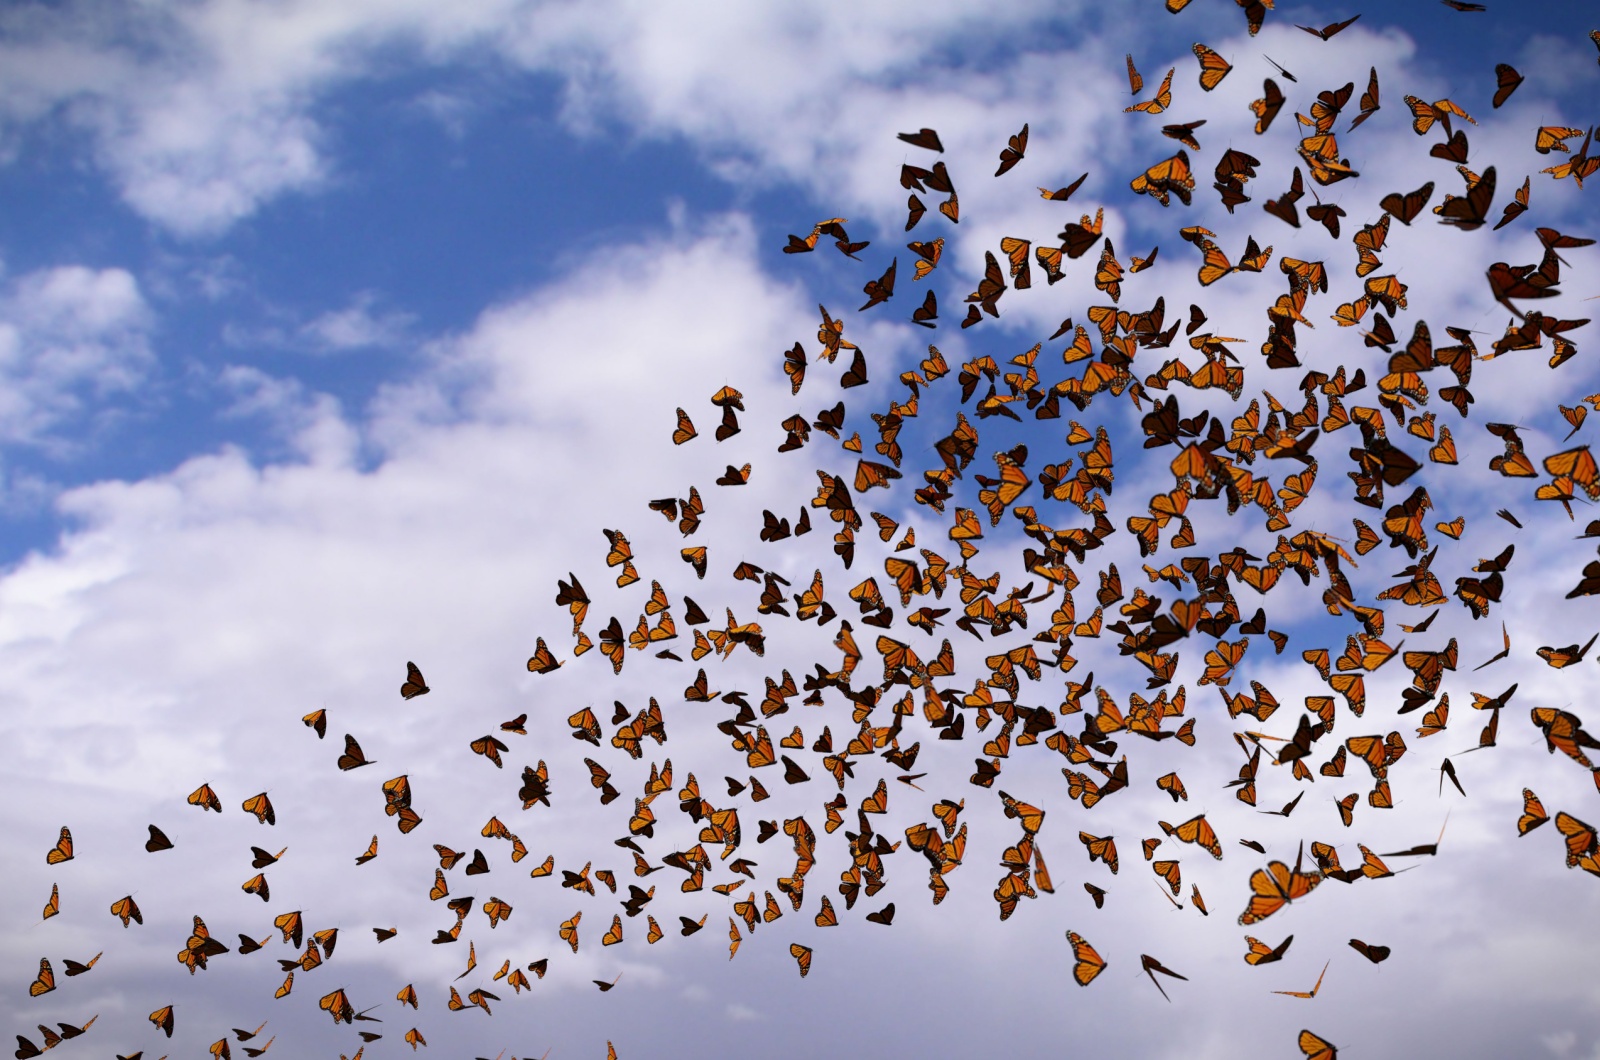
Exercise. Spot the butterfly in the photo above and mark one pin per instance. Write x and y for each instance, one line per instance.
(1506, 81)
(1471, 210)
(1327, 32)
(205, 798)
(1260, 953)
(1307, 994)
(542, 662)
(1154, 105)
(1213, 67)
(1375, 954)
(317, 721)
(414, 685)
(1313, 1047)
(881, 289)
(46, 980)
(353, 758)
(1013, 151)
(1274, 887)
(924, 138)
(1267, 107)
(1088, 964)
(1151, 966)
(62, 851)
(1406, 207)
(1533, 813)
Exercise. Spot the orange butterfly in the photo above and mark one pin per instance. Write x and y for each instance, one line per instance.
(1213, 67)
(1088, 964)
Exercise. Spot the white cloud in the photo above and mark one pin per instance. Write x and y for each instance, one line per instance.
(357, 326)
(72, 339)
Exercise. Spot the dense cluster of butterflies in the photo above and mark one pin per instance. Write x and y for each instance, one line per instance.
(1216, 462)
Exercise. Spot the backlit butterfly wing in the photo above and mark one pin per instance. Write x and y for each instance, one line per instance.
(1213, 67)
(261, 806)
(1260, 953)
(1533, 813)
(1088, 964)
(1580, 837)
(62, 851)
(127, 910)
(46, 980)
(205, 798)
(802, 955)
(1316, 1048)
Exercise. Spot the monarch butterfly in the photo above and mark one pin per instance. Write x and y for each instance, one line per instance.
(1406, 207)
(1307, 994)
(1375, 954)
(924, 138)
(1267, 107)
(46, 981)
(257, 885)
(569, 930)
(1424, 114)
(352, 758)
(205, 798)
(1101, 849)
(1154, 105)
(78, 968)
(1171, 176)
(1088, 964)
(1469, 211)
(1169, 871)
(1533, 813)
(1553, 138)
(1198, 831)
(414, 685)
(126, 909)
(1013, 151)
(542, 662)
(1579, 465)
(162, 1018)
(62, 851)
(1581, 838)
(261, 806)
(1274, 887)
(881, 289)
(1213, 67)
(1260, 953)
(1316, 1048)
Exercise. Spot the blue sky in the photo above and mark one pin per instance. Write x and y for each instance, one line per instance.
(334, 332)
